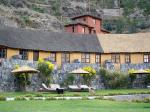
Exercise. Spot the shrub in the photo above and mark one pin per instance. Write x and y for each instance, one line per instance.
(2, 98)
(22, 80)
(88, 77)
(50, 98)
(69, 80)
(31, 98)
(76, 94)
(38, 95)
(85, 98)
(20, 98)
(28, 95)
(46, 68)
(113, 80)
(146, 100)
(99, 97)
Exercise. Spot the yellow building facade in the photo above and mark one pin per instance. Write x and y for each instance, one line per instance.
(135, 58)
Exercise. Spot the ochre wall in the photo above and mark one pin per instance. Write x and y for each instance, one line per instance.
(58, 58)
(74, 56)
(30, 55)
(12, 52)
(135, 57)
(105, 57)
(43, 54)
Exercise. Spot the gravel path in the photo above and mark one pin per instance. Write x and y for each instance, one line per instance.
(116, 97)
(128, 97)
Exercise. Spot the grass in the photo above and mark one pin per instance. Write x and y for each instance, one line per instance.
(73, 106)
(99, 93)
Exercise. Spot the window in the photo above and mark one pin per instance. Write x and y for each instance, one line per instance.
(146, 58)
(73, 29)
(53, 57)
(115, 58)
(94, 21)
(35, 55)
(90, 31)
(24, 54)
(85, 58)
(97, 58)
(65, 57)
(84, 19)
(94, 31)
(83, 30)
(3, 53)
(127, 58)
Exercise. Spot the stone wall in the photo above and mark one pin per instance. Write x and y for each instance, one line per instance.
(7, 78)
(59, 74)
(126, 67)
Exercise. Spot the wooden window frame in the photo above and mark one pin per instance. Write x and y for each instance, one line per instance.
(148, 58)
(73, 29)
(85, 58)
(53, 56)
(115, 59)
(127, 58)
(35, 58)
(96, 58)
(24, 52)
(64, 59)
(3, 52)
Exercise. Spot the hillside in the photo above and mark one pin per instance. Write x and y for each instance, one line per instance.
(51, 15)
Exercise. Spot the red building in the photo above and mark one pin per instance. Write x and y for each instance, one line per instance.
(85, 24)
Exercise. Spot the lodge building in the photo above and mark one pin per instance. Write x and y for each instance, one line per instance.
(74, 45)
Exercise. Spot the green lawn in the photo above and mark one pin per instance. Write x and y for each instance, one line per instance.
(73, 106)
(99, 92)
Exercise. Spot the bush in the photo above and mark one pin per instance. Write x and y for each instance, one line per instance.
(2, 98)
(28, 95)
(46, 68)
(38, 95)
(50, 98)
(20, 98)
(31, 98)
(146, 100)
(69, 80)
(85, 98)
(88, 77)
(113, 80)
(76, 94)
(100, 98)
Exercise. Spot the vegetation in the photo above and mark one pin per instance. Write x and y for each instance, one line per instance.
(22, 80)
(98, 93)
(69, 80)
(46, 68)
(2, 98)
(114, 80)
(87, 78)
(73, 106)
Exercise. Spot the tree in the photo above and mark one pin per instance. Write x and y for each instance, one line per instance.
(46, 68)
(88, 77)
(22, 80)
(132, 76)
(113, 80)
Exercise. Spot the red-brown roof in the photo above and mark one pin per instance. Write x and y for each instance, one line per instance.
(87, 14)
(78, 23)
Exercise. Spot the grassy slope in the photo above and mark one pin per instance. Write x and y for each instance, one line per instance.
(99, 92)
(73, 106)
